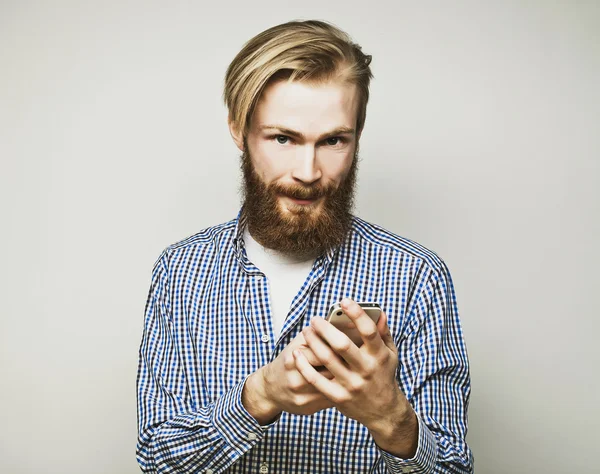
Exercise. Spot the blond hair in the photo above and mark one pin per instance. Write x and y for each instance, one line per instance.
(311, 51)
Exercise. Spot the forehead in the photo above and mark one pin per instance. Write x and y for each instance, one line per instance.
(308, 107)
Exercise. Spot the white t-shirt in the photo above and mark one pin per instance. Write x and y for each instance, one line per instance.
(285, 274)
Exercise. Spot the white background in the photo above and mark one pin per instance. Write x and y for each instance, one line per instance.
(481, 142)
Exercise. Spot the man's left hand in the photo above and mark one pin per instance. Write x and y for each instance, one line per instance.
(364, 386)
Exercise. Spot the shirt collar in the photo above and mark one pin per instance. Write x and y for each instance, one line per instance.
(322, 261)
(239, 247)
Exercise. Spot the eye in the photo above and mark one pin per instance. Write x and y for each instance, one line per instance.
(282, 139)
(333, 141)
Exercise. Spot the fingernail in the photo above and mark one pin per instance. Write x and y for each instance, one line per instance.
(345, 301)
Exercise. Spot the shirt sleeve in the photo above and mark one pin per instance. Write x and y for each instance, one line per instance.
(173, 434)
(434, 375)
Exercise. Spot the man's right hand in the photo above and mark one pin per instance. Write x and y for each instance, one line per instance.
(278, 386)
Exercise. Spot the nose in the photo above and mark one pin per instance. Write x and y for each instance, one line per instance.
(306, 168)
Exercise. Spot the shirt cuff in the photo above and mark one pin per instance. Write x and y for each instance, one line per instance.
(424, 460)
(231, 419)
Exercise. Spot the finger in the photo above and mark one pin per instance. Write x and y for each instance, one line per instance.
(341, 344)
(324, 372)
(384, 332)
(364, 325)
(310, 355)
(329, 388)
(297, 384)
(325, 353)
(298, 341)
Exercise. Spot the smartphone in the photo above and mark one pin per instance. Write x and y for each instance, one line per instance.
(341, 321)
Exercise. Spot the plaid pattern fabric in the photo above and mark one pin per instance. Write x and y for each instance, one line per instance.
(208, 326)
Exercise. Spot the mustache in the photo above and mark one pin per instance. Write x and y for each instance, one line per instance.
(302, 192)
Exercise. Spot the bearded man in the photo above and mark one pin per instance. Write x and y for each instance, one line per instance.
(239, 371)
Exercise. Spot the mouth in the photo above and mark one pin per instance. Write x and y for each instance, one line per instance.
(302, 202)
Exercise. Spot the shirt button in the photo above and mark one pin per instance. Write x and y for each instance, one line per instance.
(252, 436)
(264, 468)
(209, 471)
(264, 338)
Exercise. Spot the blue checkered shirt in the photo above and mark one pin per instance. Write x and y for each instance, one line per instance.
(208, 326)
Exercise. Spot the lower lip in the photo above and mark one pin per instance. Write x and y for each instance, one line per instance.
(302, 202)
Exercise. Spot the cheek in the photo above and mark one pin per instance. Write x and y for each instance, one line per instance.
(272, 162)
(336, 168)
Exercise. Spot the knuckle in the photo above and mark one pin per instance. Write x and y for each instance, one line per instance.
(308, 404)
(370, 334)
(288, 361)
(356, 386)
(310, 356)
(311, 379)
(327, 359)
(342, 398)
(335, 399)
(301, 401)
(370, 366)
(383, 360)
(344, 347)
(298, 340)
(295, 385)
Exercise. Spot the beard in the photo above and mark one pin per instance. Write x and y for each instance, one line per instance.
(303, 231)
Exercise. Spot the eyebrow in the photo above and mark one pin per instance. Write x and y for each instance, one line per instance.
(294, 133)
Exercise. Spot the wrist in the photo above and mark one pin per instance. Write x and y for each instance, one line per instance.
(256, 399)
(398, 432)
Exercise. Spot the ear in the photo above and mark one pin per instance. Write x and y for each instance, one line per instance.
(359, 132)
(237, 136)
